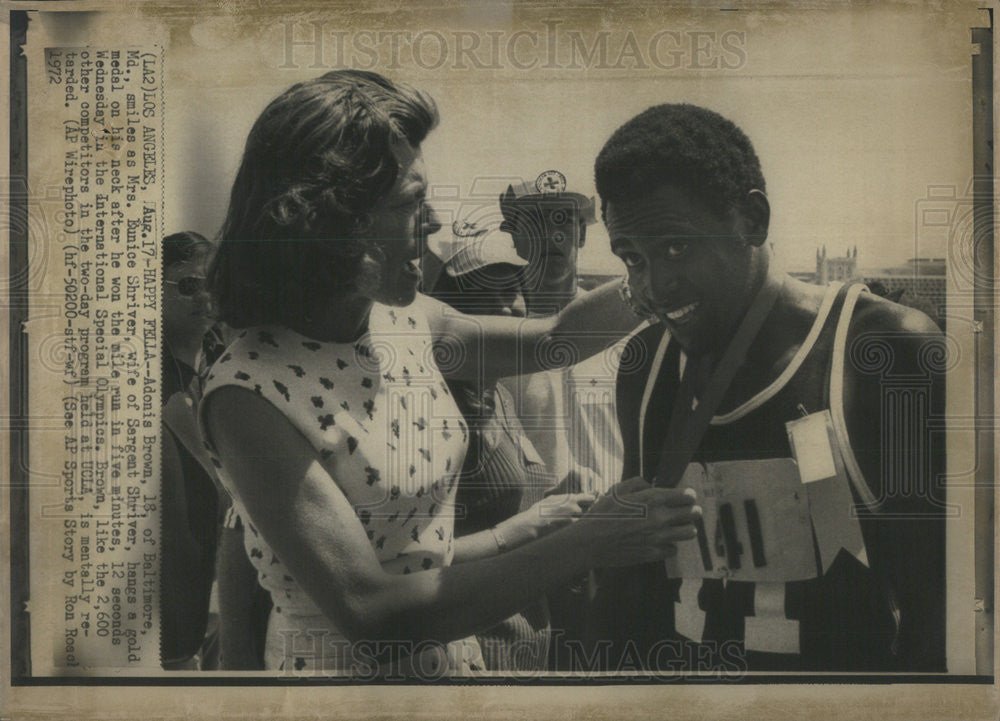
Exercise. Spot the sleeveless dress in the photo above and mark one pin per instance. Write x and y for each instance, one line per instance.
(386, 428)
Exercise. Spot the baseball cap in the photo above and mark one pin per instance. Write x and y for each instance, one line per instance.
(548, 184)
(477, 247)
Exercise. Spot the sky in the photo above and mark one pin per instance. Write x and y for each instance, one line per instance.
(857, 114)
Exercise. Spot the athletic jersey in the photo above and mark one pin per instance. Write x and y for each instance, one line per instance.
(822, 607)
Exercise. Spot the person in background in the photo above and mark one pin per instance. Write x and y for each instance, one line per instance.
(568, 413)
(238, 607)
(190, 497)
(482, 277)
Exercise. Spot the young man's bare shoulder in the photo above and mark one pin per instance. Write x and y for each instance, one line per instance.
(909, 341)
(875, 314)
(801, 304)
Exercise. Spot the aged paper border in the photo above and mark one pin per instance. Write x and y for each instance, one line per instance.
(825, 700)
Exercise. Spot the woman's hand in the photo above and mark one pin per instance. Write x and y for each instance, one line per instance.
(635, 523)
(545, 516)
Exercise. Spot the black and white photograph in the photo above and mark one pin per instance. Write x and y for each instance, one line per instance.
(494, 360)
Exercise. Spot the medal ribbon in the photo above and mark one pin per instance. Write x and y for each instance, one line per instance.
(687, 424)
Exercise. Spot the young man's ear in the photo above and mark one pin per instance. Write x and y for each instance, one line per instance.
(583, 233)
(755, 218)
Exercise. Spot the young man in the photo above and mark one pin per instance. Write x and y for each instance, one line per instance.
(798, 414)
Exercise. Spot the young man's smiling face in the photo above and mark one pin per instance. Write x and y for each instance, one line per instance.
(692, 266)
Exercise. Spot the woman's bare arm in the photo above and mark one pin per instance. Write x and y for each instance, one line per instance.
(303, 515)
(473, 347)
(544, 517)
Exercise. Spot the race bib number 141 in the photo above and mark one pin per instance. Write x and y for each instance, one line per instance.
(755, 524)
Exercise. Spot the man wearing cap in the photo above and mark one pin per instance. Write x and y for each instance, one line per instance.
(498, 488)
(568, 414)
(476, 248)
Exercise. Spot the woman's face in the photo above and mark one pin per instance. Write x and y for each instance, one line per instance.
(401, 222)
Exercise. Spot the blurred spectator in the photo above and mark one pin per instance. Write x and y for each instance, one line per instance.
(501, 464)
(190, 501)
(568, 414)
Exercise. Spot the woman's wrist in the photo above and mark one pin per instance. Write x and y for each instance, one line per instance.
(499, 539)
(514, 532)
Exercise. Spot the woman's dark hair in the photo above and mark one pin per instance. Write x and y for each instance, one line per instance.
(317, 161)
(682, 145)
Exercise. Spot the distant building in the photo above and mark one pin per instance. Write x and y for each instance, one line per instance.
(830, 270)
(920, 283)
(806, 276)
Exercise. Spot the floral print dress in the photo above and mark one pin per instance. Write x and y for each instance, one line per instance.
(387, 430)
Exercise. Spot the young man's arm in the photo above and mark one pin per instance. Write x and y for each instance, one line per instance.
(893, 392)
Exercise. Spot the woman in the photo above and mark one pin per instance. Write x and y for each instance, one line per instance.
(328, 416)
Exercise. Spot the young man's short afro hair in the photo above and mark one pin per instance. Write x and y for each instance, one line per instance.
(682, 145)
